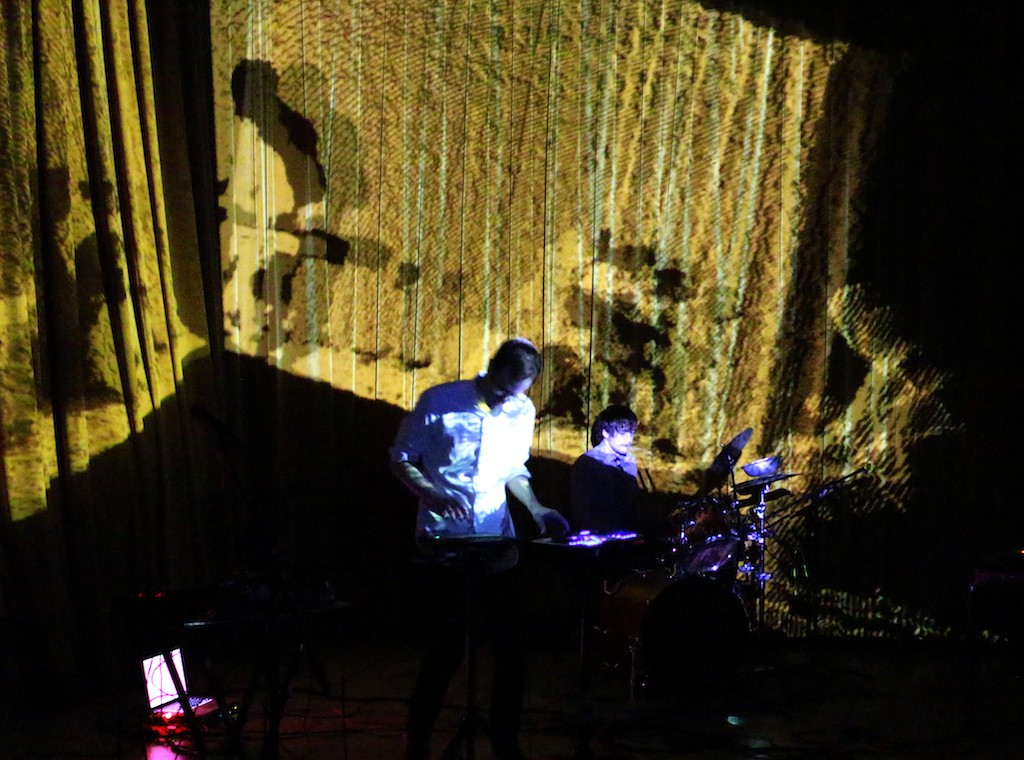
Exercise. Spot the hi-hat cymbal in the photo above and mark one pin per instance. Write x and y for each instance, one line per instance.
(772, 495)
(755, 484)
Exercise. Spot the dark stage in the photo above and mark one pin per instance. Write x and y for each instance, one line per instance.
(344, 672)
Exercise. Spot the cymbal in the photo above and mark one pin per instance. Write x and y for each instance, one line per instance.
(725, 460)
(749, 486)
(761, 467)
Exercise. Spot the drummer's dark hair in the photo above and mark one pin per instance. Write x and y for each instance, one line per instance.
(518, 355)
(615, 418)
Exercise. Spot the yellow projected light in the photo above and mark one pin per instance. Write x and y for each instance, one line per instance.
(662, 196)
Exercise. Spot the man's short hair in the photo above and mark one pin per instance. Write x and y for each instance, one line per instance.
(616, 418)
(519, 356)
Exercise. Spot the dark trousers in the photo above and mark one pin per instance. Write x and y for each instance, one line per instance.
(487, 606)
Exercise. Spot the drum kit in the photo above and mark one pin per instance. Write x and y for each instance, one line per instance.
(689, 619)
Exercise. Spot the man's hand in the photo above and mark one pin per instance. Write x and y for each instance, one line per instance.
(433, 498)
(447, 507)
(550, 522)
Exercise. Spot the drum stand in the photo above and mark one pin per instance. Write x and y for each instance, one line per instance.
(756, 570)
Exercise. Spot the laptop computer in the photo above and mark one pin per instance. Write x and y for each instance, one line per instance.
(164, 699)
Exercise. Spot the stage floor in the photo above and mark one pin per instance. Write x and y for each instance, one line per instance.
(779, 698)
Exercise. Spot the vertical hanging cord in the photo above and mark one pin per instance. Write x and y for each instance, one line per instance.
(548, 270)
(420, 193)
(467, 36)
(830, 127)
(595, 237)
(511, 118)
(380, 209)
(328, 172)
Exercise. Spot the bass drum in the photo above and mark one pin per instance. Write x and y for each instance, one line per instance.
(680, 637)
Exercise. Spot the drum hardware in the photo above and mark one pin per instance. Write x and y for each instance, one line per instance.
(756, 570)
(762, 472)
(709, 541)
(715, 542)
(695, 597)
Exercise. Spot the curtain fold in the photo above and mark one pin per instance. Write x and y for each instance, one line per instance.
(101, 484)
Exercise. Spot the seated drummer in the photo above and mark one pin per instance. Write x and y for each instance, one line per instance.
(603, 489)
(604, 493)
(605, 496)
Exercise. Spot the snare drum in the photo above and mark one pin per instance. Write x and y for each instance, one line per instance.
(682, 636)
(716, 556)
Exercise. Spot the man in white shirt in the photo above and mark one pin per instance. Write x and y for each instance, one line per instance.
(461, 450)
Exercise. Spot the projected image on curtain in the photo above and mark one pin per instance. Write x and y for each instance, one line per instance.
(664, 197)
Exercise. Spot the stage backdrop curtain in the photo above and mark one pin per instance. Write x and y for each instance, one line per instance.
(666, 197)
(105, 479)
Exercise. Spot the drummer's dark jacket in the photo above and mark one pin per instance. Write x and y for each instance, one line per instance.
(602, 498)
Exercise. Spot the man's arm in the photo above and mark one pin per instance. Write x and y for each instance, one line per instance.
(430, 495)
(548, 521)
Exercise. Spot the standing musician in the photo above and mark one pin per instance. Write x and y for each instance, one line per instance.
(463, 445)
